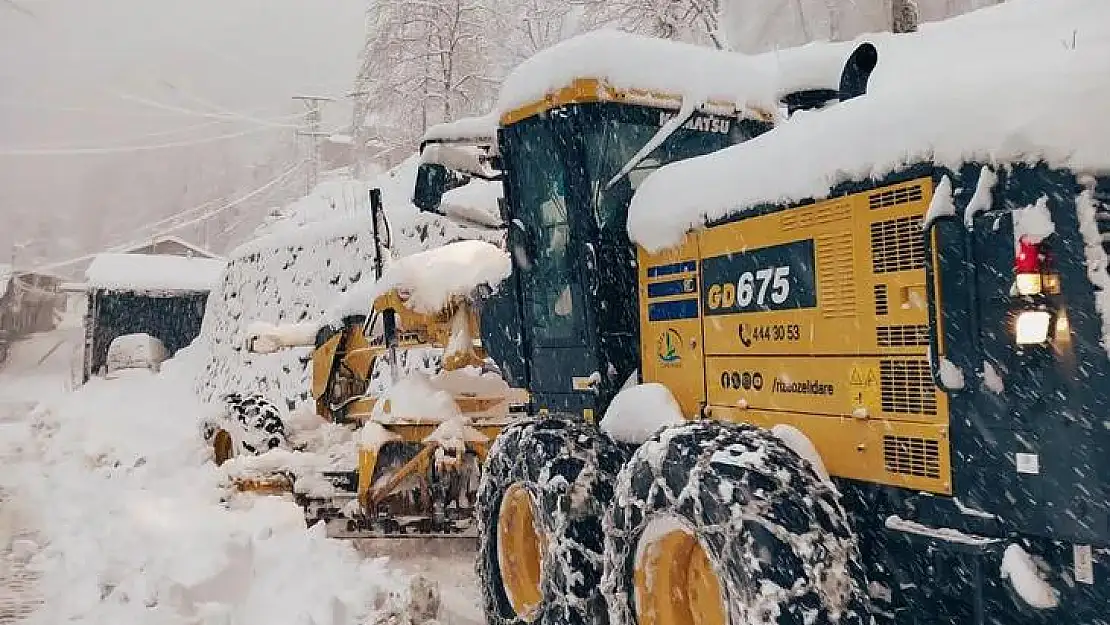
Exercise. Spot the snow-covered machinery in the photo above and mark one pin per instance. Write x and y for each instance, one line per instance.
(873, 341)
(411, 382)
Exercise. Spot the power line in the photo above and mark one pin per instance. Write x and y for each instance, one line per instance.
(123, 149)
(225, 115)
(119, 248)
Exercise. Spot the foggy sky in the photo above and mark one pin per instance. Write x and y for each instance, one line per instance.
(62, 73)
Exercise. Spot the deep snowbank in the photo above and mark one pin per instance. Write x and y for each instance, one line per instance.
(127, 505)
(299, 269)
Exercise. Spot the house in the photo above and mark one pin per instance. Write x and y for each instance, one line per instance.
(163, 295)
(29, 302)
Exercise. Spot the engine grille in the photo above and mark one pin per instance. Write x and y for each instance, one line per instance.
(882, 301)
(897, 245)
(906, 387)
(836, 272)
(894, 197)
(902, 336)
(912, 456)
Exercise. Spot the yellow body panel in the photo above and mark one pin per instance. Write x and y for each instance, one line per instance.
(814, 316)
(869, 450)
(671, 351)
(322, 359)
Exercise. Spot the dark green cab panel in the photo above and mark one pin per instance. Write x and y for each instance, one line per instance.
(568, 236)
(1031, 427)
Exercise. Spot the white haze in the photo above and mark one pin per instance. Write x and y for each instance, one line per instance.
(65, 74)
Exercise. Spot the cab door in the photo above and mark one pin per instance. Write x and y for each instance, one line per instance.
(550, 258)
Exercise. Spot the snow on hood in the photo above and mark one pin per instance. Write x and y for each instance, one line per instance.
(432, 277)
(153, 272)
(626, 61)
(1025, 80)
(128, 509)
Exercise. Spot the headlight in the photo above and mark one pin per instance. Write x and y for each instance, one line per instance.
(1031, 327)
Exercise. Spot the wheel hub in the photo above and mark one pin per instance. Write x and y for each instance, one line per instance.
(519, 552)
(675, 580)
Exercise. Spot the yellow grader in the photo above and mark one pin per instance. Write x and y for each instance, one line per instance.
(410, 381)
(823, 434)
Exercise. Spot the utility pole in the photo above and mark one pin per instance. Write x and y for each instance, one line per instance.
(313, 121)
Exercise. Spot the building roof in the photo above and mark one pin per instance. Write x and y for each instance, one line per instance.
(145, 273)
(153, 243)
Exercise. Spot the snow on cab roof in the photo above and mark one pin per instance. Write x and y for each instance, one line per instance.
(1025, 80)
(152, 273)
(624, 61)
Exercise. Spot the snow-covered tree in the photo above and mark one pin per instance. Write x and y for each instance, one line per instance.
(693, 21)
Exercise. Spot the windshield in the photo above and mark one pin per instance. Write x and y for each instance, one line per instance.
(613, 142)
(541, 192)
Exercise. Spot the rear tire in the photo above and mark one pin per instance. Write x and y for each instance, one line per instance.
(768, 533)
(565, 470)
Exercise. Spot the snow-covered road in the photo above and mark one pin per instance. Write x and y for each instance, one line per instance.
(110, 513)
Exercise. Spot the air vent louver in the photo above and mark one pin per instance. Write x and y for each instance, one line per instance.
(897, 245)
(894, 197)
(912, 456)
(902, 336)
(907, 387)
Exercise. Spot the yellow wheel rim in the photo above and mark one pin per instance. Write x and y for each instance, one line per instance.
(675, 581)
(519, 552)
(221, 447)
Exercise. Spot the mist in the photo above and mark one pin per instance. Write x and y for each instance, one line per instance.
(77, 76)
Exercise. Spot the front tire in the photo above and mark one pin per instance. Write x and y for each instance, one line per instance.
(544, 490)
(721, 524)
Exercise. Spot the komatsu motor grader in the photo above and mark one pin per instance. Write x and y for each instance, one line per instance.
(410, 378)
(827, 464)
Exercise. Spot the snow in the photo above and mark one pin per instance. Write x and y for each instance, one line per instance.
(637, 412)
(466, 158)
(133, 530)
(972, 512)
(476, 201)
(413, 398)
(626, 61)
(800, 444)
(992, 380)
(941, 205)
(1028, 582)
(266, 338)
(946, 534)
(153, 272)
(1097, 261)
(455, 431)
(483, 127)
(434, 277)
(373, 435)
(982, 199)
(1021, 81)
(951, 375)
(1033, 222)
(135, 351)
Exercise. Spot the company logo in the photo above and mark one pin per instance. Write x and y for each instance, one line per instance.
(666, 347)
